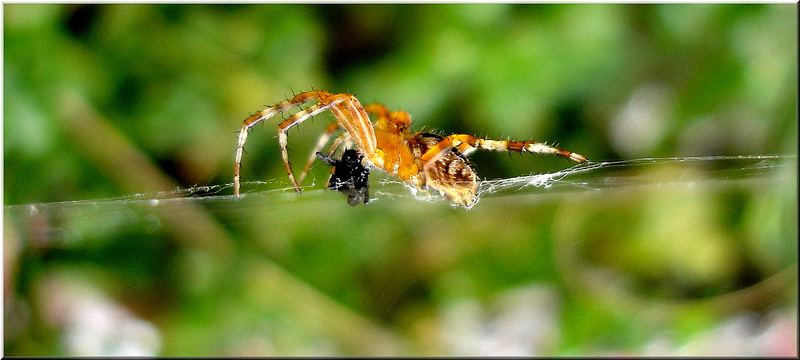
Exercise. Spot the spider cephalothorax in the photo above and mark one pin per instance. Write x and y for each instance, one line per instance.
(349, 176)
(421, 160)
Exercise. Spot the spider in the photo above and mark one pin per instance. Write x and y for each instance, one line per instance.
(421, 160)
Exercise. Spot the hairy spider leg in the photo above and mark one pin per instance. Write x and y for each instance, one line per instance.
(378, 109)
(392, 121)
(354, 119)
(283, 129)
(466, 144)
(345, 112)
(262, 115)
(349, 114)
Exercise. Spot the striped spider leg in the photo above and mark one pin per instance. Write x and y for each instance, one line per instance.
(349, 114)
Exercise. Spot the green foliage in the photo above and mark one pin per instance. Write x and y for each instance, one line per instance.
(90, 90)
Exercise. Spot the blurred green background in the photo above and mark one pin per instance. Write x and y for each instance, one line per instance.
(107, 101)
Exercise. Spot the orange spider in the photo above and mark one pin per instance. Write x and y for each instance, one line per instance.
(421, 160)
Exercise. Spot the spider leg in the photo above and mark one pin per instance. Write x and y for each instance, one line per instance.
(323, 139)
(349, 114)
(342, 140)
(354, 119)
(271, 111)
(287, 124)
(380, 110)
(265, 114)
(468, 143)
(400, 119)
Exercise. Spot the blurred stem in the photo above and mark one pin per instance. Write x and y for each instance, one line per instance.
(130, 169)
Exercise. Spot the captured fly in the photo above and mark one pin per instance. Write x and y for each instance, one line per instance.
(348, 176)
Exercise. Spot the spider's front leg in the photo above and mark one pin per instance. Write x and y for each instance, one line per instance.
(287, 124)
(349, 113)
(262, 115)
